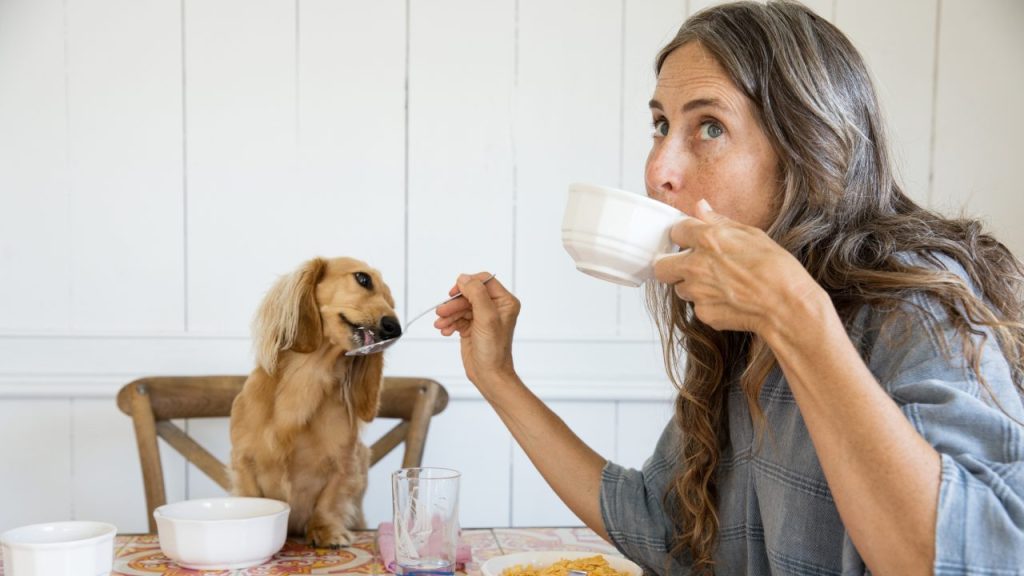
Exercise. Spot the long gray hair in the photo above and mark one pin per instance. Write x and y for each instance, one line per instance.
(840, 211)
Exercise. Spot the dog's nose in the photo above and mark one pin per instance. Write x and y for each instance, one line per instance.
(390, 328)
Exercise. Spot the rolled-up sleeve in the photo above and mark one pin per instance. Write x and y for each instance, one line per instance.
(975, 428)
(633, 508)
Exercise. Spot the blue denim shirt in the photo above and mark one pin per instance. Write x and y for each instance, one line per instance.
(776, 513)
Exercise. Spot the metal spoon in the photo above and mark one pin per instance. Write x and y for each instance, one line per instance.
(384, 344)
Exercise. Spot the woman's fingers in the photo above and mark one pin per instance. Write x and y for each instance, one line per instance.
(706, 230)
(474, 291)
(446, 321)
(453, 308)
(482, 299)
(481, 276)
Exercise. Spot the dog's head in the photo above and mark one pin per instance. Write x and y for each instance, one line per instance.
(354, 304)
(341, 303)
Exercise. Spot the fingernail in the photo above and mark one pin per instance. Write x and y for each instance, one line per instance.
(463, 278)
(704, 205)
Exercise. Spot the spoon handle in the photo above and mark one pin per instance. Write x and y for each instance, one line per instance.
(434, 307)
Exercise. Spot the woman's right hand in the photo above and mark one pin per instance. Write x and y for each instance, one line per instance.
(485, 318)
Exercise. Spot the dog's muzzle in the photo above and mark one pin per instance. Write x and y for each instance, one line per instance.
(363, 335)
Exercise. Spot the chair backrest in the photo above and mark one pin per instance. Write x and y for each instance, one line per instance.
(153, 402)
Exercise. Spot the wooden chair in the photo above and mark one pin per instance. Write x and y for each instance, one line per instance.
(153, 402)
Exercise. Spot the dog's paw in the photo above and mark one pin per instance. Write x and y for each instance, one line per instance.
(326, 535)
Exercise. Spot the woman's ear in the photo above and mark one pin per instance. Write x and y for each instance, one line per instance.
(289, 318)
(369, 374)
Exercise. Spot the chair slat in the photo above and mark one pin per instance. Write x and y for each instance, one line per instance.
(195, 453)
(388, 442)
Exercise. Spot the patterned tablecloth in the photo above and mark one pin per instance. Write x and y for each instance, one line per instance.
(140, 555)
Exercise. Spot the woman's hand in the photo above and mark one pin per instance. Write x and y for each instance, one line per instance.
(485, 319)
(735, 275)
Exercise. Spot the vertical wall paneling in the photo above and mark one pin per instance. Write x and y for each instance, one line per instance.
(36, 452)
(116, 360)
(897, 40)
(34, 213)
(461, 81)
(822, 7)
(648, 26)
(978, 117)
(93, 488)
(106, 474)
(125, 131)
(214, 435)
(469, 437)
(240, 102)
(567, 123)
(640, 424)
(175, 469)
(349, 195)
(534, 503)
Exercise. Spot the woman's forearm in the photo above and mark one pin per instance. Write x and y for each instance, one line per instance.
(883, 475)
(568, 465)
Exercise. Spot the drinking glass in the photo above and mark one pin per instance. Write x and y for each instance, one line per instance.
(426, 518)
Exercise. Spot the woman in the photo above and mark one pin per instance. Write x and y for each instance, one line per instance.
(852, 393)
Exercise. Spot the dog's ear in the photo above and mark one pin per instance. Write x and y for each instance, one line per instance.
(289, 318)
(368, 375)
(309, 333)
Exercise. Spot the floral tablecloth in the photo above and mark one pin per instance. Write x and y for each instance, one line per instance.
(139, 555)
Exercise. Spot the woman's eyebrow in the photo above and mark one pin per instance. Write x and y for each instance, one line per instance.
(694, 104)
(705, 103)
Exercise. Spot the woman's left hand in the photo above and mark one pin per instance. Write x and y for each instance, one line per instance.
(735, 275)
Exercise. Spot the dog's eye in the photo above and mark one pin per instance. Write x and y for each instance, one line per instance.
(364, 280)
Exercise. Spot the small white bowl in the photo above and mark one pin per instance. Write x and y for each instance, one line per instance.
(75, 548)
(544, 558)
(616, 235)
(222, 533)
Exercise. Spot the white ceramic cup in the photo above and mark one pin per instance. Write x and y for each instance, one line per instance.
(74, 548)
(616, 235)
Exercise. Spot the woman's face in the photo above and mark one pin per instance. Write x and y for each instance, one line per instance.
(708, 143)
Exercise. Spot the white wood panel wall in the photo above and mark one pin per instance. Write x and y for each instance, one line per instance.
(163, 161)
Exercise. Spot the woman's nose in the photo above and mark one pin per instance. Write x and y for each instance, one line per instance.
(664, 172)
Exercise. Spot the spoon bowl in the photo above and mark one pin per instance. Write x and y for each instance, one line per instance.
(385, 344)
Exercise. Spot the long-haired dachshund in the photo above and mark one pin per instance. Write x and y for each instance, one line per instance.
(295, 425)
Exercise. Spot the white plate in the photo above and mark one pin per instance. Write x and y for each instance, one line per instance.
(544, 558)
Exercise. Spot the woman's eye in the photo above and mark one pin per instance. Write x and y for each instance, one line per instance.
(711, 130)
(660, 128)
(364, 280)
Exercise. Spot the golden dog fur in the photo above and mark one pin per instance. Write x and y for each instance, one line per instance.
(295, 425)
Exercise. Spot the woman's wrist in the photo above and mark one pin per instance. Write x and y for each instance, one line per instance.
(796, 321)
(491, 381)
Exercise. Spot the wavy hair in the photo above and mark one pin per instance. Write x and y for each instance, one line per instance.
(840, 212)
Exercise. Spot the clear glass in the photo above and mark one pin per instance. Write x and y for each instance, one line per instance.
(426, 516)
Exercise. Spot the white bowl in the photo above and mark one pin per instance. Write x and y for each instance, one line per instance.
(76, 548)
(544, 558)
(222, 533)
(616, 235)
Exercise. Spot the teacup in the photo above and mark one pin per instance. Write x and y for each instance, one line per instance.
(616, 235)
(74, 548)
